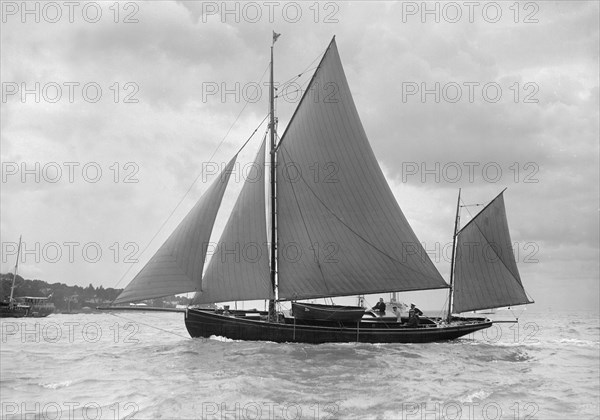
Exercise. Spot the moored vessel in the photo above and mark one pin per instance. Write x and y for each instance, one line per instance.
(10, 308)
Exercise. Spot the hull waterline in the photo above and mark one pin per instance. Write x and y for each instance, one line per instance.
(206, 323)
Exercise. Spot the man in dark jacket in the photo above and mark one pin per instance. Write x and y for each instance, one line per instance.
(380, 307)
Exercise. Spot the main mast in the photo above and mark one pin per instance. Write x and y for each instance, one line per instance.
(273, 199)
(451, 290)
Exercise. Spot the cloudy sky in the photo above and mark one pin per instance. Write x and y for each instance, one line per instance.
(110, 114)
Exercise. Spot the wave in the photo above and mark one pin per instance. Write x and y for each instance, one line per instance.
(578, 342)
(55, 385)
(475, 396)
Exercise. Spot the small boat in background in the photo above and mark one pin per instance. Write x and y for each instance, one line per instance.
(39, 307)
(10, 308)
(34, 307)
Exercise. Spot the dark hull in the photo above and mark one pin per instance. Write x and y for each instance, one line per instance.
(206, 323)
(15, 311)
(22, 311)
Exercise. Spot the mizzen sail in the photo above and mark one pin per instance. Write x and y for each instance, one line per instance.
(239, 266)
(177, 265)
(340, 229)
(486, 274)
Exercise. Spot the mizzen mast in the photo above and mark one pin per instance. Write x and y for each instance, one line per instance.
(451, 290)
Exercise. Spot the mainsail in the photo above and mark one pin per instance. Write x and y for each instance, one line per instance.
(177, 265)
(340, 229)
(486, 274)
(239, 266)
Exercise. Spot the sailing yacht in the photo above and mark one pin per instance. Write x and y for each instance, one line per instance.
(341, 234)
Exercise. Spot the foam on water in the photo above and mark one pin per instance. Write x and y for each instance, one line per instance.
(576, 342)
(476, 396)
(56, 385)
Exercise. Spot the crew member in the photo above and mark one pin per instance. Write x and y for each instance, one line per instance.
(380, 307)
(413, 315)
(398, 313)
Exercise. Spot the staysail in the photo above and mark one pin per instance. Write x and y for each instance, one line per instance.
(340, 229)
(177, 265)
(239, 266)
(486, 274)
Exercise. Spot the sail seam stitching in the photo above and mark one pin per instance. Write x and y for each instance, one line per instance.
(515, 278)
(352, 230)
(307, 232)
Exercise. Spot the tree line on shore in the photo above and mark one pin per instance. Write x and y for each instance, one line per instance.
(74, 298)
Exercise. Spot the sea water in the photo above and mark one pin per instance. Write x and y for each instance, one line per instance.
(143, 365)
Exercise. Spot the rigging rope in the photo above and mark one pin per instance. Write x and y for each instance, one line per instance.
(308, 68)
(294, 78)
(283, 87)
(322, 57)
(252, 135)
(151, 326)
